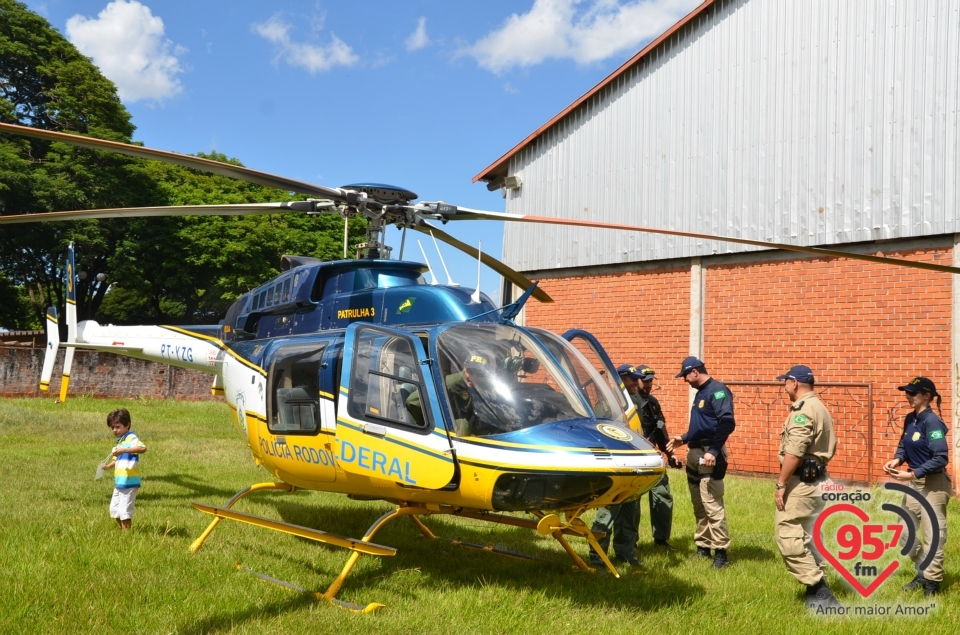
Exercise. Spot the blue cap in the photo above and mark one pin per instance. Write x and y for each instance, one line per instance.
(919, 384)
(801, 373)
(689, 364)
(641, 372)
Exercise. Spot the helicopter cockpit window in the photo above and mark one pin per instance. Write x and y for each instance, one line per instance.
(386, 384)
(498, 379)
(286, 289)
(295, 390)
(594, 388)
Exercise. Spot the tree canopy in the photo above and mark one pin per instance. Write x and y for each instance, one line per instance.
(181, 269)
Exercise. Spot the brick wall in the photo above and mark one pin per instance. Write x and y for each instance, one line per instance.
(639, 317)
(100, 375)
(850, 321)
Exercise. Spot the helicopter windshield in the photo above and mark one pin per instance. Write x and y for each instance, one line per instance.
(498, 379)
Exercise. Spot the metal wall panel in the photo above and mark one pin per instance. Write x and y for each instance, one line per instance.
(815, 123)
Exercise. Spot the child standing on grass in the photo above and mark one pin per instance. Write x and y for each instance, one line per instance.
(126, 467)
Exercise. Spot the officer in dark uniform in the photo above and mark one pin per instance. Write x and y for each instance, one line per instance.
(923, 447)
(638, 381)
(711, 422)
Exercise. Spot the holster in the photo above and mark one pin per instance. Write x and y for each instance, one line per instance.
(720, 467)
(811, 470)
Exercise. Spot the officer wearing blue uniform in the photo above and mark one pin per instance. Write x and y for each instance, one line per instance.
(923, 447)
(711, 422)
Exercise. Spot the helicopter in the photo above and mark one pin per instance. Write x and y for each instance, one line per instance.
(357, 377)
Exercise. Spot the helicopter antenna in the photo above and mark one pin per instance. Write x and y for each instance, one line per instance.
(346, 235)
(445, 270)
(403, 239)
(475, 296)
(433, 276)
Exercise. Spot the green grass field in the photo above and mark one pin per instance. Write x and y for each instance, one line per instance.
(66, 567)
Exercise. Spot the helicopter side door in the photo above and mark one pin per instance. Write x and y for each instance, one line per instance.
(292, 444)
(590, 347)
(389, 422)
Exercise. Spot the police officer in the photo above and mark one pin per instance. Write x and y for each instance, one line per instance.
(923, 447)
(461, 388)
(621, 521)
(807, 443)
(711, 422)
(638, 381)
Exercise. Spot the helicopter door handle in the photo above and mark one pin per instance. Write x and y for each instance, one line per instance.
(374, 429)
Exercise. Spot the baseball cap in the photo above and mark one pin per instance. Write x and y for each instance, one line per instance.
(477, 362)
(801, 373)
(647, 373)
(919, 384)
(689, 364)
(629, 370)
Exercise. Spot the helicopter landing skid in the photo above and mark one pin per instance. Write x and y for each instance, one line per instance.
(195, 547)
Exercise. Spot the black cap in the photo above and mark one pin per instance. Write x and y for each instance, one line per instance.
(689, 364)
(641, 371)
(919, 384)
(801, 373)
(477, 362)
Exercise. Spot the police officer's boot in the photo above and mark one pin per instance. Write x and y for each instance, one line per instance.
(664, 544)
(720, 560)
(931, 587)
(819, 594)
(916, 583)
(703, 552)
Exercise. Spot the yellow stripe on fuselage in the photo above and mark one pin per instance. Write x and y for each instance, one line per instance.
(219, 344)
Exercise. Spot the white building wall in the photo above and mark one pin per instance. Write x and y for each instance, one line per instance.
(813, 122)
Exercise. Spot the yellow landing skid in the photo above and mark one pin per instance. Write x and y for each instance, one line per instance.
(359, 546)
(545, 524)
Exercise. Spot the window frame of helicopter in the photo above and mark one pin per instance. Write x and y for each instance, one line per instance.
(392, 339)
(285, 355)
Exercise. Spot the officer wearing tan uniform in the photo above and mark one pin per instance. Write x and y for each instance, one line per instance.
(807, 443)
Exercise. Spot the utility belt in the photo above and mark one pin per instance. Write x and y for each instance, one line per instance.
(701, 444)
(811, 470)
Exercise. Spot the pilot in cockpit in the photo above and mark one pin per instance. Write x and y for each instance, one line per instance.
(480, 397)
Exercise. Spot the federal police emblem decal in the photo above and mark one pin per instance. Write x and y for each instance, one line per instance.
(614, 432)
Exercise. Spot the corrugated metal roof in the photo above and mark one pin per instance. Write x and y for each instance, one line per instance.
(499, 167)
(813, 123)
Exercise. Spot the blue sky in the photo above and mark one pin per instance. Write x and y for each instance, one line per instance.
(422, 94)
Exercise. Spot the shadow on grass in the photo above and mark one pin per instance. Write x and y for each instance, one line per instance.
(229, 622)
(194, 486)
(163, 531)
(441, 565)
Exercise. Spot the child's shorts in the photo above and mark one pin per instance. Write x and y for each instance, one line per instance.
(121, 505)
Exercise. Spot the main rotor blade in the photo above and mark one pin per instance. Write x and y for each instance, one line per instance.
(515, 277)
(197, 163)
(463, 213)
(173, 210)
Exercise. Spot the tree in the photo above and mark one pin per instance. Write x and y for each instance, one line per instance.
(184, 269)
(46, 83)
(189, 269)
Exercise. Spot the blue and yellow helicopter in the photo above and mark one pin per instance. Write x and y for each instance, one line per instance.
(358, 377)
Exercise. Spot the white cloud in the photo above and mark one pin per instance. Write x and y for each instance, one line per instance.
(126, 41)
(418, 39)
(582, 30)
(312, 57)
